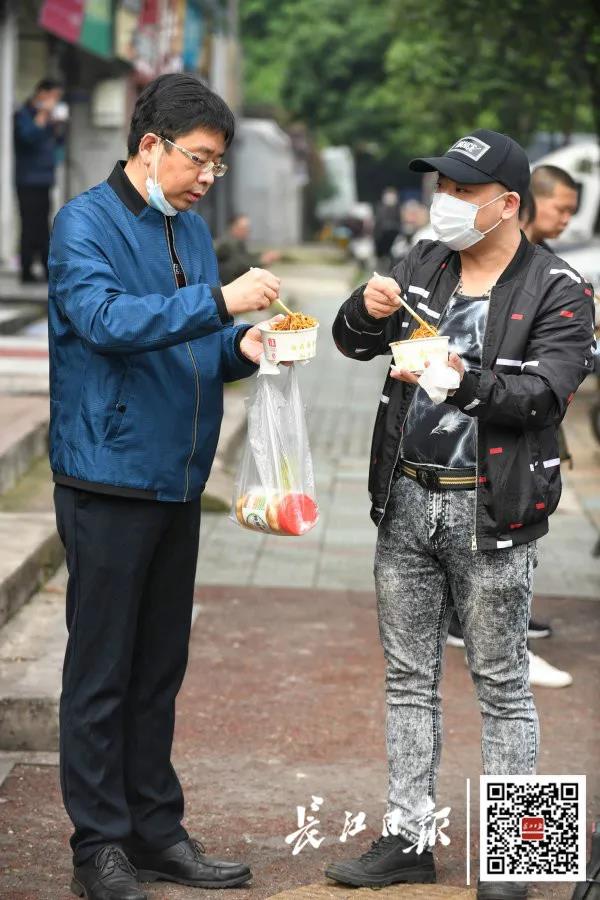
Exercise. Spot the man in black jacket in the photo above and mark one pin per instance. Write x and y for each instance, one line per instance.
(461, 490)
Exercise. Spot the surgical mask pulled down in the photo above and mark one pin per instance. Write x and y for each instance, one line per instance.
(156, 197)
(453, 220)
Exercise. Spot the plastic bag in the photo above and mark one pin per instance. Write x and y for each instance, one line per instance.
(274, 487)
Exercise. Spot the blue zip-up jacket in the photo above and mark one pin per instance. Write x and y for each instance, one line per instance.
(137, 363)
(35, 150)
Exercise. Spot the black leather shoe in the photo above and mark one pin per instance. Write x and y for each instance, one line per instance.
(108, 875)
(385, 863)
(502, 890)
(186, 863)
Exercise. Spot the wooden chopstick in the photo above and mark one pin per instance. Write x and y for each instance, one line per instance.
(414, 314)
(282, 305)
(421, 321)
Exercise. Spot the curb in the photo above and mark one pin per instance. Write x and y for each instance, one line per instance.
(32, 649)
(33, 569)
(11, 291)
(29, 723)
(15, 319)
(18, 458)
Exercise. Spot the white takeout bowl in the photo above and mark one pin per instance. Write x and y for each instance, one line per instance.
(412, 355)
(288, 346)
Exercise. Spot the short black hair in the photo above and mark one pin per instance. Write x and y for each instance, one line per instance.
(175, 104)
(545, 178)
(48, 84)
(235, 217)
(527, 210)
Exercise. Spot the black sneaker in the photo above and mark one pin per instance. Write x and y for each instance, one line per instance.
(385, 863)
(186, 863)
(538, 630)
(108, 875)
(502, 890)
(455, 635)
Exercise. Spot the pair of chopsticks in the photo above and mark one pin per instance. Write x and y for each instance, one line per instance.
(414, 314)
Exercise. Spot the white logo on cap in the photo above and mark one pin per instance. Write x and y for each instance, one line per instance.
(471, 147)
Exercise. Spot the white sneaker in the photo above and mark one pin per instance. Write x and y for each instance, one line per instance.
(543, 674)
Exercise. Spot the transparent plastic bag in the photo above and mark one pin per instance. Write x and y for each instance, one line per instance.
(274, 488)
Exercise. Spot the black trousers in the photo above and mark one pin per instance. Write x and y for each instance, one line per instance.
(130, 592)
(34, 208)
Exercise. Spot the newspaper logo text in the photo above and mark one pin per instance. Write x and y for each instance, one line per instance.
(532, 828)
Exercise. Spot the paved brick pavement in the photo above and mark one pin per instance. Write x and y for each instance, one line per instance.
(282, 700)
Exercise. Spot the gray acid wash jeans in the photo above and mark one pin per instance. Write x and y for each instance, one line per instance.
(424, 564)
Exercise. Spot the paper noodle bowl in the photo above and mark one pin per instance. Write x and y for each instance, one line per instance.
(288, 346)
(412, 355)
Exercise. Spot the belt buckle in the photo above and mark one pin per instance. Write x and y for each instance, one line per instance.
(428, 479)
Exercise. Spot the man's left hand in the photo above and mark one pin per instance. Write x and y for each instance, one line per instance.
(251, 344)
(454, 362)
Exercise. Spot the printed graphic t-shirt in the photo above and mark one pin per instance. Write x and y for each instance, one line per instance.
(442, 435)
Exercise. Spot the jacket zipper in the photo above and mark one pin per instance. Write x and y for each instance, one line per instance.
(476, 421)
(389, 490)
(175, 261)
(474, 535)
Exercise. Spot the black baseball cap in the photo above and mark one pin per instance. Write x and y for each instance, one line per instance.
(479, 158)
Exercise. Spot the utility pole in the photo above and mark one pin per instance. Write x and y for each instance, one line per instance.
(8, 65)
(225, 79)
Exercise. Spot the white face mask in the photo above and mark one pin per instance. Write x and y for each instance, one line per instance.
(453, 220)
(156, 198)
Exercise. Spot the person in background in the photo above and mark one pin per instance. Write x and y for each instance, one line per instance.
(388, 225)
(556, 197)
(232, 251)
(37, 134)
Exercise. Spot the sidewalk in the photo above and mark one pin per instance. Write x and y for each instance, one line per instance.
(283, 697)
(12, 291)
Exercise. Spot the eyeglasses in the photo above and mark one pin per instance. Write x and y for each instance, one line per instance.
(218, 169)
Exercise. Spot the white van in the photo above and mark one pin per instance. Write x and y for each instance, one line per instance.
(582, 162)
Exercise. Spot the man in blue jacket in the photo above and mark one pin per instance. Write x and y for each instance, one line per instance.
(141, 341)
(36, 136)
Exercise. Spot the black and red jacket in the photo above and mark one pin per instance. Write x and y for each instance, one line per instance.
(537, 350)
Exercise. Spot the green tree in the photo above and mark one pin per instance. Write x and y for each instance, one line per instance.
(316, 60)
(409, 76)
(464, 64)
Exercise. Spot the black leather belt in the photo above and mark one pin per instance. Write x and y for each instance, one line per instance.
(440, 479)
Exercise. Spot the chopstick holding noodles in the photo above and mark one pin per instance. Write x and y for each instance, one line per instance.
(429, 328)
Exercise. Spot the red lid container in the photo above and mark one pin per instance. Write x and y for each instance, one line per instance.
(297, 513)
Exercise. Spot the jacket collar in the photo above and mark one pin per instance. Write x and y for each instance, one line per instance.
(522, 256)
(125, 190)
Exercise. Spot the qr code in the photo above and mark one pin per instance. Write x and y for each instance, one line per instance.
(532, 828)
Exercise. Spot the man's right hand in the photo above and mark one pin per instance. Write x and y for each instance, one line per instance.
(255, 289)
(42, 117)
(381, 297)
